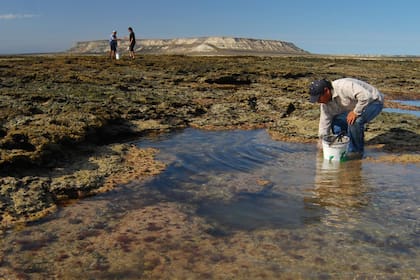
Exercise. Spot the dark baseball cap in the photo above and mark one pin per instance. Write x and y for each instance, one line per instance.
(316, 89)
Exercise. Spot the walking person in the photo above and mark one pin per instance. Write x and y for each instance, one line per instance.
(132, 39)
(113, 43)
(346, 106)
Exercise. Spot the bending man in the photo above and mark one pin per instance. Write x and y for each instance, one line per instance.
(346, 106)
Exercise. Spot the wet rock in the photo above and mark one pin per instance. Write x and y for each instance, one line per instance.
(290, 109)
(24, 198)
(54, 109)
(17, 141)
(252, 102)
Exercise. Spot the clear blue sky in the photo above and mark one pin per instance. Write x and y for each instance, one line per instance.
(390, 27)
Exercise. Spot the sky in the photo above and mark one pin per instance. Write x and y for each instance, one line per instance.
(356, 27)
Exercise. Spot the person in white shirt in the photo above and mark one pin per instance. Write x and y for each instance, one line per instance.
(346, 106)
(113, 43)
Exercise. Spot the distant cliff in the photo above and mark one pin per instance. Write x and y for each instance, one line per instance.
(196, 46)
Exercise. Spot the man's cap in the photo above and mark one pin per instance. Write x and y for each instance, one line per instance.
(316, 88)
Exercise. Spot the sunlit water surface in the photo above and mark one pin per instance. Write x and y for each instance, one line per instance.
(233, 204)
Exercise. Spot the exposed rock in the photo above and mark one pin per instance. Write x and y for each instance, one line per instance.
(60, 115)
(196, 46)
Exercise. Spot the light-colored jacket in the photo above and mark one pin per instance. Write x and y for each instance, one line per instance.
(348, 94)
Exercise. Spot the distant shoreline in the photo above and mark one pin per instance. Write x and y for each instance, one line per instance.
(344, 56)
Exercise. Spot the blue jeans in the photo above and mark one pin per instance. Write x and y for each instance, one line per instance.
(356, 131)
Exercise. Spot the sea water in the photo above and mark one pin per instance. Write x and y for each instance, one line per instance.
(233, 204)
(402, 111)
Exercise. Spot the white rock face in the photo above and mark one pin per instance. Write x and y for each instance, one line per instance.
(196, 46)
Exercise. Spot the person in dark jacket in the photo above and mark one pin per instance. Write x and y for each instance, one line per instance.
(132, 39)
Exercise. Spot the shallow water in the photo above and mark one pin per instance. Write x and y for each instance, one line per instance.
(409, 102)
(233, 204)
(405, 102)
(402, 111)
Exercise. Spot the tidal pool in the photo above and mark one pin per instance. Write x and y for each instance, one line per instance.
(405, 102)
(232, 204)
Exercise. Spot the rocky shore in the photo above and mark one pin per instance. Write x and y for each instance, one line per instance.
(65, 120)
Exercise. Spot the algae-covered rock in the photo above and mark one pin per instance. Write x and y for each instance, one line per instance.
(32, 197)
(60, 115)
(23, 199)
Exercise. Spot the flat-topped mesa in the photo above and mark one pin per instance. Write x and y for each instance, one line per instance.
(196, 46)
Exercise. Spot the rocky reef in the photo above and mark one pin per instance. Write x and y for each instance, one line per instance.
(64, 119)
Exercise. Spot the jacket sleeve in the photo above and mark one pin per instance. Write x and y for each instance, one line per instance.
(362, 102)
(324, 122)
(363, 97)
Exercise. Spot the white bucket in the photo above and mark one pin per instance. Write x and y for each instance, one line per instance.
(335, 151)
(117, 56)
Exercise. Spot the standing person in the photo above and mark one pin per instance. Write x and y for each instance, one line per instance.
(132, 38)
(346, 106)
(113, 42)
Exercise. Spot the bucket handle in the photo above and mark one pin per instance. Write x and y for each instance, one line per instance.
(337, 137)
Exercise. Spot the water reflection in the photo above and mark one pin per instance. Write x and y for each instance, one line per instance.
(237, 180)
(232, 205)
(340, 184)
(262, 210)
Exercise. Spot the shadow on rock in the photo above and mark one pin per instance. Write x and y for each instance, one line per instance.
(398, 140)
(234, 79)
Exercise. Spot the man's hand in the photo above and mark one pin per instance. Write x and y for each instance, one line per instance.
(319, 144)
(351, 118)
